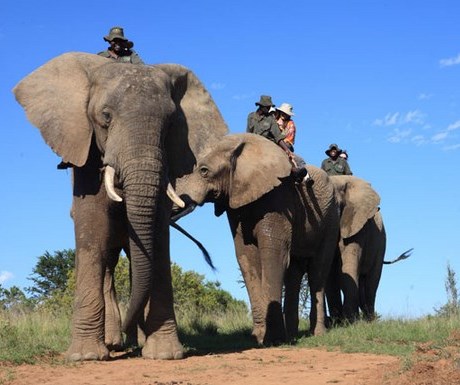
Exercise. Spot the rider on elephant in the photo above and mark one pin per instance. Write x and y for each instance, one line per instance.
(120, 47)
(335, 164)
(261, 122)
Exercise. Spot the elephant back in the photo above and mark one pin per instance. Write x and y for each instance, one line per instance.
(318, 199)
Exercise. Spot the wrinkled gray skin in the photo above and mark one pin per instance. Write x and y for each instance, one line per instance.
(149, 123)
(358, 265)
(278, 229)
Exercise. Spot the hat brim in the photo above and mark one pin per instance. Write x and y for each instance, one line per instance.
(285, 112)
(264, 105)
(109, 39)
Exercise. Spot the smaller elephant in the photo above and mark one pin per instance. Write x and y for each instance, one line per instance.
(279, 228)
(357, 268)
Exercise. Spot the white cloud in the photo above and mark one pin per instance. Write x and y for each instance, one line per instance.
(217, 86)
(454, 126)
(424, 96)
(388, 120)
(414, 117)
(5, 276)
(450, 61)
(452, 147)
(439, 136)
(399, 119)
(242, 97)
(398, 135)
(418, 140)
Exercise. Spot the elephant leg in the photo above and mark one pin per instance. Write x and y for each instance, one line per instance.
(113, 336)
(92, 226)
(292, 283)
(162, 341)
(351, 255)
(333, 294)
(262, 253)
(273, 269)
(368, 285)
(318, 271)
(249, 263)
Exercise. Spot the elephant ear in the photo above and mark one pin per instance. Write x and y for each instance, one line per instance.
(197, 124)
(360, 202)
(55, 98)
(259, 167)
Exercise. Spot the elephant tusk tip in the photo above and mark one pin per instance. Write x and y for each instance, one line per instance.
(117, 198)
(174, 197)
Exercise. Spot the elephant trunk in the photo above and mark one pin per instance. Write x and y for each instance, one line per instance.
(141, 185)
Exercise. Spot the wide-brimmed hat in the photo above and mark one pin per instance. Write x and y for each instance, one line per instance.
(265, 101)
(344, 154)
(333, 146)
(115, 33)
(286, 108)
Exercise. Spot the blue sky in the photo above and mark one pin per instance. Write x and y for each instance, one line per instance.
(380, 78)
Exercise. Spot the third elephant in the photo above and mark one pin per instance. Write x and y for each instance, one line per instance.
(358, 265)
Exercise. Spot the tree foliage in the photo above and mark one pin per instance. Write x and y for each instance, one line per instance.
(54, 286)
(50, 274)
(192, 291)
(452, 307)
(14, 300)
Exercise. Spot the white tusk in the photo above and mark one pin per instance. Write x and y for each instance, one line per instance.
(174, 197)
(109, 176)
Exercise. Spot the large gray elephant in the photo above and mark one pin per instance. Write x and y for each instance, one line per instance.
(357, 267)
(145, 126)
(279, 229)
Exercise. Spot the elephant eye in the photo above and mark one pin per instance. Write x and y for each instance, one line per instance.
(204, 171)
(107, 116)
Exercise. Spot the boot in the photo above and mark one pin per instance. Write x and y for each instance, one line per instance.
(64, 165)
(308, 180)
(299, 174)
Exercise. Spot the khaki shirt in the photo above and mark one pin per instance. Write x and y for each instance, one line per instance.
(265, 126)
(336, 167)
(134, 58)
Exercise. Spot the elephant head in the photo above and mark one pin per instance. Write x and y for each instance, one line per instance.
(147, 123)
(237, 171)
(358, 203)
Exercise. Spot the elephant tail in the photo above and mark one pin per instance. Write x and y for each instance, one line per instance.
(404, 255)
(206, 255)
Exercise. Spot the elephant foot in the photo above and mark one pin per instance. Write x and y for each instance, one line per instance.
(270, 337)
(113, 340)
(163, 347)
(258, 332)
(87, 350)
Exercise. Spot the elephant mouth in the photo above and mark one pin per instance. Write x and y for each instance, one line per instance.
(180, 212)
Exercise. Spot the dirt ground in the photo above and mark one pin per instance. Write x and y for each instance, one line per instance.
(251, 367)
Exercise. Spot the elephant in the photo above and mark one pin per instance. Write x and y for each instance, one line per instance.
(130, 132)
(359, 260)
(278, 227)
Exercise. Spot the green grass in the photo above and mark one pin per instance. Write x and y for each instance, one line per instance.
(41, 337)
(32, 337)
(397, 337)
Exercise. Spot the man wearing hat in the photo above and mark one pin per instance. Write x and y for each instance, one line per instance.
(334, 164)
(120, 47)
(261, 122)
